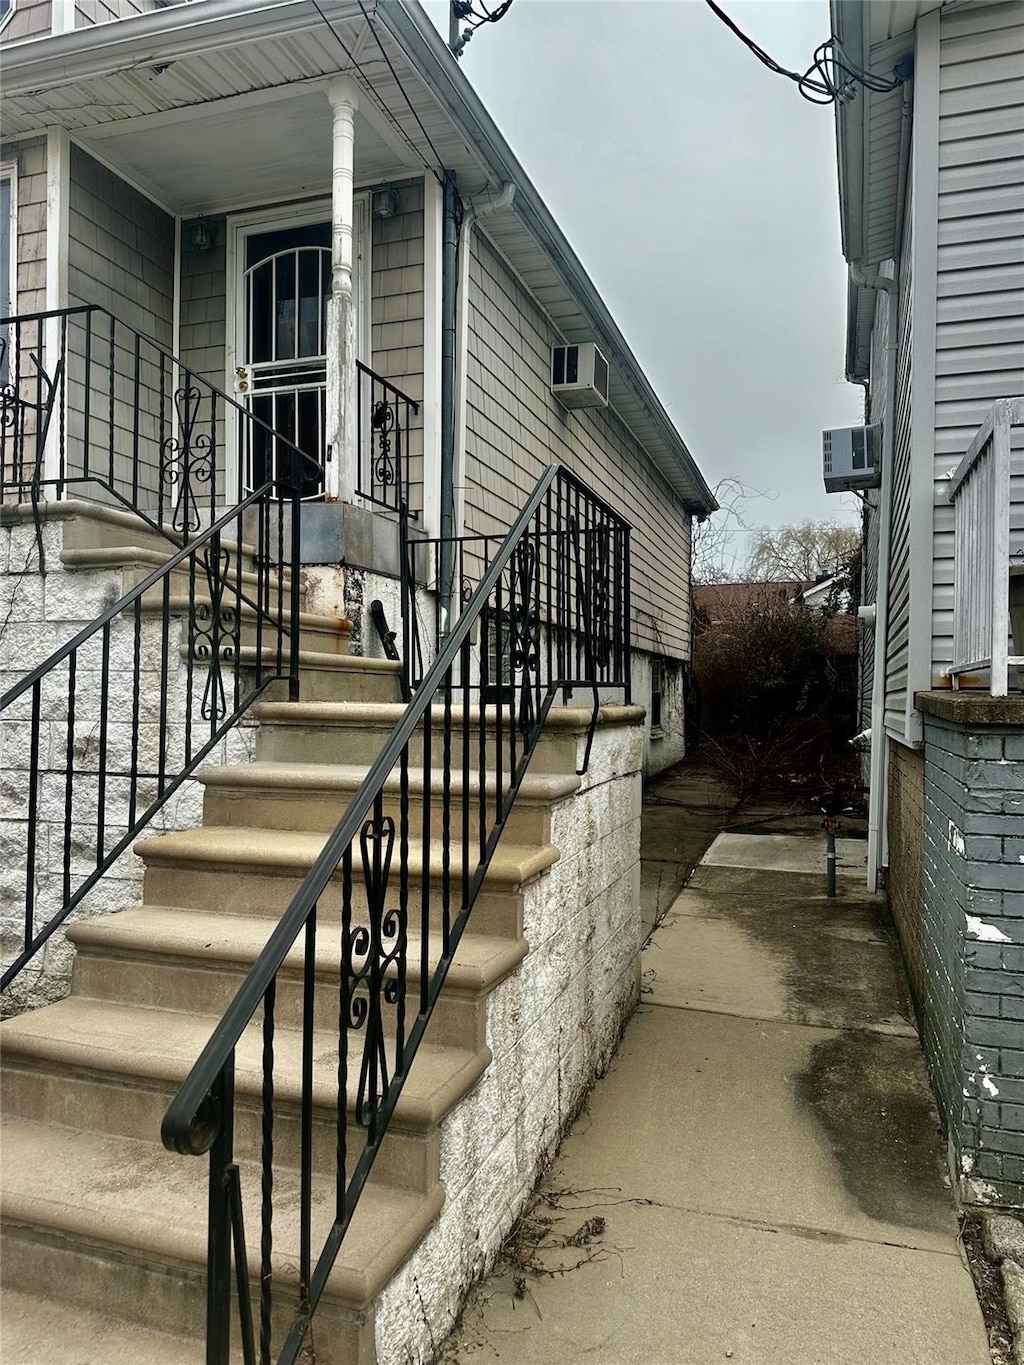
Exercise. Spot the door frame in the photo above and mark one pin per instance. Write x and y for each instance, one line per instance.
(254, 222)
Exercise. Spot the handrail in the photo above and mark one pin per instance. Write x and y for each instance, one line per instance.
(177, 1129)
(562, 571)
(112, 705)
(132, 419)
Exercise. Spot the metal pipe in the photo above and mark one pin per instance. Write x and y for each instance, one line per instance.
(449, 269)
(876, 781)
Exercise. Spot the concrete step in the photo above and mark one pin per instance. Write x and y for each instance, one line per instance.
(334, 678)
(258, 871)
(112, 1069)
(180, 959)
(317, 732)
(117, 1226)
(38, 1331)
(313, 796)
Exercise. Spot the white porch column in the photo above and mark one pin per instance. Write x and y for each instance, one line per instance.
(342, 436)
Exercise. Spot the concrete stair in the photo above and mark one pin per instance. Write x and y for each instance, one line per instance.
(104, 1231)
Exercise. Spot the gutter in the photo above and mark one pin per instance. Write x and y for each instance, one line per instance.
(160, 35)
(428, 56)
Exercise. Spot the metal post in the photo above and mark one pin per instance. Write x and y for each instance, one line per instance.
(218, 1273)
(831, 825)
(294, 607)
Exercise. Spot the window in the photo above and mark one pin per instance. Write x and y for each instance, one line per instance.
(6, 10)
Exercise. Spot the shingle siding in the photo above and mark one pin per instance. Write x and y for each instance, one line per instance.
(31, 19)
(515, 427)
(29, 157)
(89, 12)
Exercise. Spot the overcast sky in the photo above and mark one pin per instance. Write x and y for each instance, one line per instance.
(699, 190)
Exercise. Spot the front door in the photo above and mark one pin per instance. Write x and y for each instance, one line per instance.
(287, 286)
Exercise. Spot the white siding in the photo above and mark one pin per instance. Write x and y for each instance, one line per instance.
(980, 286)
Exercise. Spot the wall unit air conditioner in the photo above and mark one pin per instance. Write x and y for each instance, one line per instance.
(851, 458)
(579, 376)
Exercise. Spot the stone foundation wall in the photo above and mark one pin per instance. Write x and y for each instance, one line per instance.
(905, 877)
(39, 613)
(552, 1027)
(972, 1008)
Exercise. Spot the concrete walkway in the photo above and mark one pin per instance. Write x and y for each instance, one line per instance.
(759, 1178)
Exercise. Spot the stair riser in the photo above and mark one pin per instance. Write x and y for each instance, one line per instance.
(458, 1020)
(353, 743)
(235, 891)
(324, 639)
(273, 808)
(337, 684)
(167, 1298)
(408, 1160)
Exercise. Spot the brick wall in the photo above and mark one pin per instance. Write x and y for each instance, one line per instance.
(972, 1003)
(905, 882)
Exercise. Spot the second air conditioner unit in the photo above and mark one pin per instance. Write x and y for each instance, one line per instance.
(579, 376)
(850, 458)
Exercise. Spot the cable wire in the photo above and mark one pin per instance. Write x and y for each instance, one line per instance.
(477, 14)
(831, 77)
(379, 101)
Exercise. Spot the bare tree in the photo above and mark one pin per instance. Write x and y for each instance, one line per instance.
(803, 551)
(718, 542)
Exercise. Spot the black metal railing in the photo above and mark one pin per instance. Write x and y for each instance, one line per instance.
(90, 405)
(386, 456)
(99, 735)
(393, 888)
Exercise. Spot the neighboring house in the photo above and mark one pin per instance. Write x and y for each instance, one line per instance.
(273, 266)
(931, 183)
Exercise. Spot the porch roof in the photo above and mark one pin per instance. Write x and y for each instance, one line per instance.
(194, 77)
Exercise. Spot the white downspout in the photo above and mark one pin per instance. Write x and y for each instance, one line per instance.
(482, 207)
(877, 779)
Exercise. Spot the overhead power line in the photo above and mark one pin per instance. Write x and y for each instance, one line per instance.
(474, 13)
(831, 77)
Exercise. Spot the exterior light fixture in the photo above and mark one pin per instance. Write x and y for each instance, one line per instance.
(202, 234)
(385, 203)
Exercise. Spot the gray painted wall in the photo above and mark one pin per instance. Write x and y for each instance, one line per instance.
(972, 1000)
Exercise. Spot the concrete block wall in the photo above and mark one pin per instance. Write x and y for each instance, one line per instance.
(905, 880)
(38, 614)
(552, 1027)
(972, 1003)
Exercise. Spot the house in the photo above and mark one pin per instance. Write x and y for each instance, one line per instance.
(932, 209)
(342, 534)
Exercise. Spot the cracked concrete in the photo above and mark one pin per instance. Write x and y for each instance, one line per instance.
(764, 1150)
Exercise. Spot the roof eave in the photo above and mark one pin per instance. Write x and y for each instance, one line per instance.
(430, 58)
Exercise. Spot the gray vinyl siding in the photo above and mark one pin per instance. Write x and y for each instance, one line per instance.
(120, 257)
(515, 428)
(30, 160)
(203, 317)
(396, 312)
(120, 249)
(31, 19)
(869, 594)
(898, 645)
(980, 285)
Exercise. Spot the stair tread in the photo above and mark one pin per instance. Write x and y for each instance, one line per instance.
(318, 658)
(295, 850)
(134, 1196)
(283, 776)
(212, 939)
(156, 1045)
(40, 1331)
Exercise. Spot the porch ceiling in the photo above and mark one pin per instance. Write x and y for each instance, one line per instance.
(220, 103)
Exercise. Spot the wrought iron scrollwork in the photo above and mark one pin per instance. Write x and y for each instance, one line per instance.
(368, 952)
(188, 460)
(215, 627)
(524, 629)
(384, 459)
